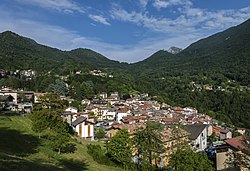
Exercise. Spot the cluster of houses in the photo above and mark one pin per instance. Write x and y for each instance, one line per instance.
(98, 73)
(228, 87)
(180, 124)
(27, 74)
(16, 100)
(113, 114)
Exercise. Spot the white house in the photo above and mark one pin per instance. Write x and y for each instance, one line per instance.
(225, 134)
(37, 97)
(71, 109)
(189, 111)
(103, 95)
(84, 128)
(198, 136)
(110, 114)
(241, 130)
(102, 113)
(209, 130)
(25, 107)
(122, 112)
(114, 96)
(85, 102)
(7, 91)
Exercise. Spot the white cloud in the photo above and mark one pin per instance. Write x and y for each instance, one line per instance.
(215, 20)
(163, 25)
(190, 19)
(191, 25)
(143, 3)
(167, 3)
(138, 51)
(58, 37)
(66, 6)
(100, 19)
(147, 47)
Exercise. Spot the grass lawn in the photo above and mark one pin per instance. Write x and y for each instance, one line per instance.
(21, 149)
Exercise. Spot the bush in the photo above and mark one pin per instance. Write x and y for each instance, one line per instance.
(100, 133)
(99, 155)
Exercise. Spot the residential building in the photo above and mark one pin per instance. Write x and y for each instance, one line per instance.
(198, 136)
(6, 101)
(71, 109)
(225, 134)
(7, 91)
(84, 128)
(225, 154)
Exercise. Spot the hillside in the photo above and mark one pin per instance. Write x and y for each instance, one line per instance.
(17, 52)
(227, 53)
(211, 74)
(229, 47)
(21, 149)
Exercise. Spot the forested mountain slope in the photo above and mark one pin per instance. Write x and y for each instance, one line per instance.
(211, 74)
(226, 53)
(17, 52)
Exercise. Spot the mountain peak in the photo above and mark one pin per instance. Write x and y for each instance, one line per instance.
(174, 50)
(10, 36)
(9, 33)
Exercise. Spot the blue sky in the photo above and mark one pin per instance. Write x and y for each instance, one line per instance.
(123, 30)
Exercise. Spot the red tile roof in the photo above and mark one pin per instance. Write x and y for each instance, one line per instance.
(216, 130)
(130, 127)
(239, 143)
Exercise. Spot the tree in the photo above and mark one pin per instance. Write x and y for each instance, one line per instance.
(91, 113)
(237, 159)
(78, 105)
(100, 133)
(99, 154)
(22, 98)
(186, 160)
(50, 101)
(148, 144)
(59, 140)
(59, 130)
(140, 144)
(58, 87)
(119, 149)
(213, 137)
(39, 121)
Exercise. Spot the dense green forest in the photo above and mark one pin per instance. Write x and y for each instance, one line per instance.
(211, 74)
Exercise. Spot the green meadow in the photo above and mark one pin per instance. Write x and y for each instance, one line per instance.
(22, 149)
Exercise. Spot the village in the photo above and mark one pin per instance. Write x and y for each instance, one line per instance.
(110, 112)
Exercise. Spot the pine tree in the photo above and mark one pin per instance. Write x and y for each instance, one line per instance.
(39, 121)
(186, 160)
(119, 149)
(148, 144)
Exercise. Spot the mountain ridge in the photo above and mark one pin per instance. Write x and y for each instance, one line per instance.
(174, 50)
(15, 47)
(211, 74)
(192, 48)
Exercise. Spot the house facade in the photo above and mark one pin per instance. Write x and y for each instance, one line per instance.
(198, 136)
(225, 154)
(84, 128)
(7, 92)
(71, 109)
(225, 134)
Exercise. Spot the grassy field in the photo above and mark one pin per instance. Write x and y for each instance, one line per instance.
(21, 149)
